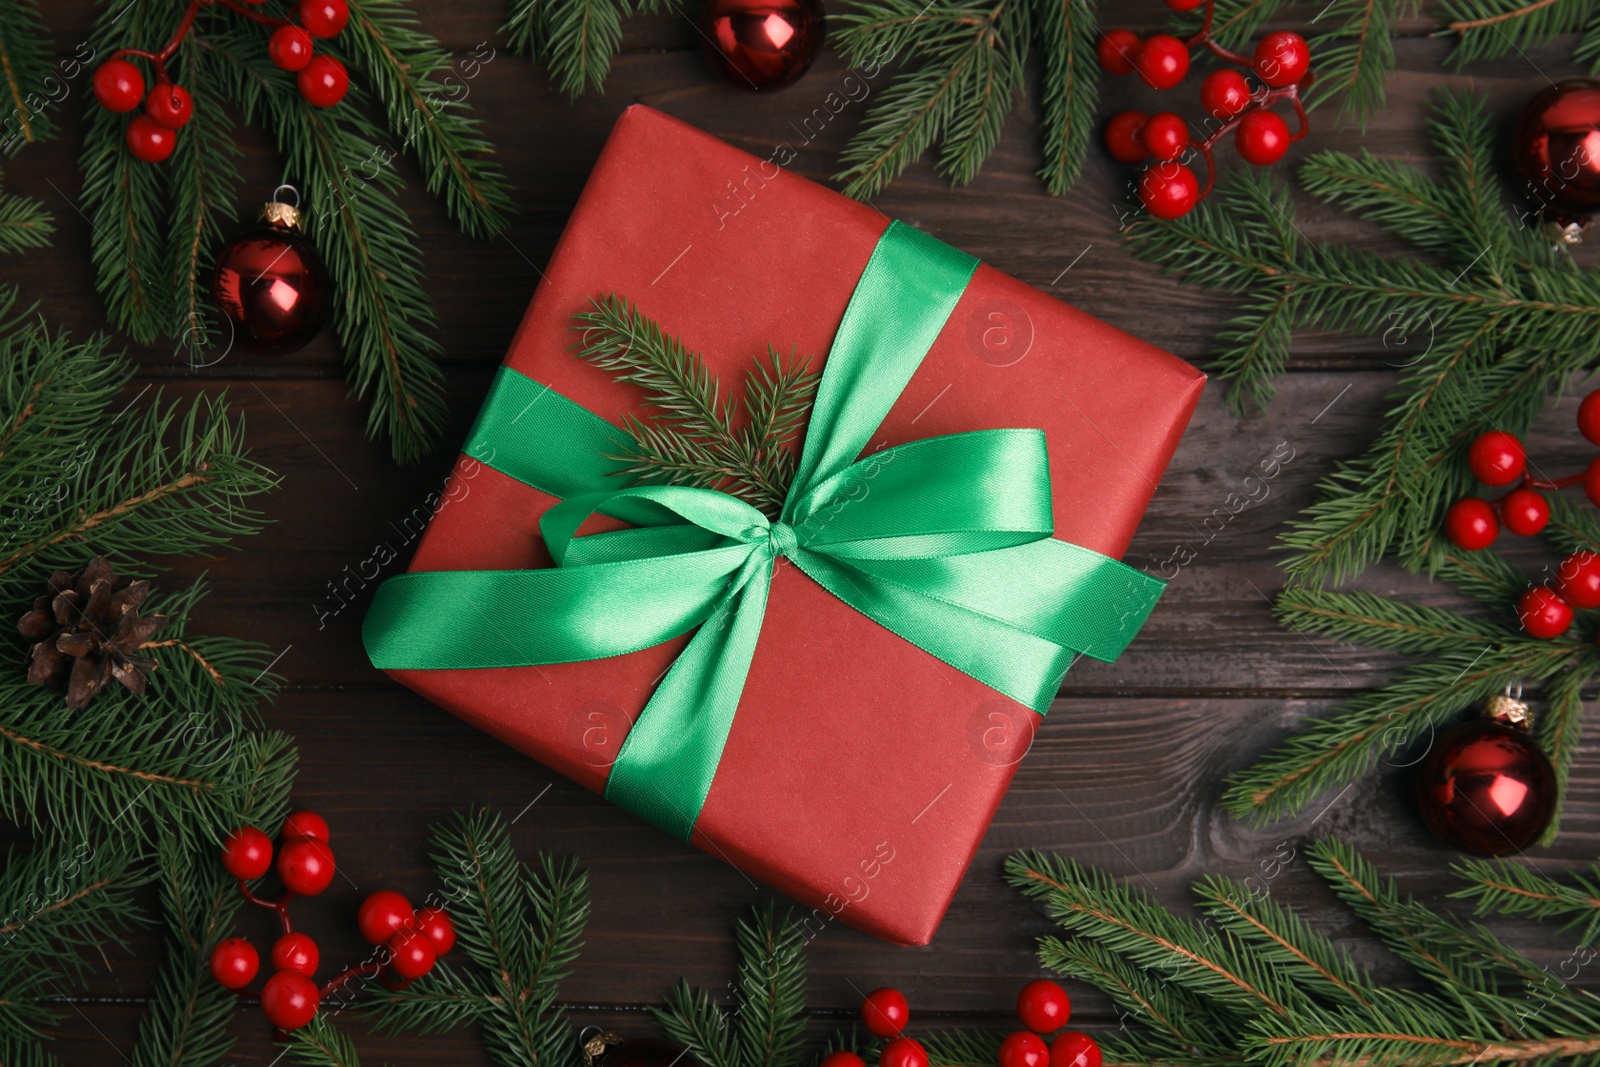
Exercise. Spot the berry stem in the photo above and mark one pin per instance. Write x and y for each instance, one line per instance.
(1547, 484)
(1263, 99)
(185, 25)
(369, 969)
(1203, 36)
(279, 906)
(253, 16)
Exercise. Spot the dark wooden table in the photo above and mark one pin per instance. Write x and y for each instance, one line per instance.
(1124, 774)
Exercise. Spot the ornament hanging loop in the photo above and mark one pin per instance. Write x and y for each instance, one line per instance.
(1508, 707)
(279, 213)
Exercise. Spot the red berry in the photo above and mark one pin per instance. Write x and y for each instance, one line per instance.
(1578, 578)
(305, 866)
(324, 18)
(903, 1052)
(1165, 135)
(295, 952)
(1282, 58)
(1168, 190)
(1262, 137)
(842, 1059)
(1543, 613)
(1496, 458)
(1074, 1049)
(1162, 61)
(1591, 481)
(290, 48)
(304, 824)
(1043, 1006)
(1024, 1049)
(435, 922)
(885, 1012)
(289, 1000)
(411, 954)
(1123, 137)
(170, 105)
(381, 914)
(149, 141)
(1471, 524)
(247, 853)
(118, 85)
(324, 81)
(1524, 512)
(1224, 93)
(1184, 5)
(234, 963)
(1116, 49)
(1589, 418)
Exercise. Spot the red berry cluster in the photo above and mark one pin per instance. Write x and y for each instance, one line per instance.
(413, 939)
(1169, 189)
(1042, 1005)
(120, 87)
(1497, 458)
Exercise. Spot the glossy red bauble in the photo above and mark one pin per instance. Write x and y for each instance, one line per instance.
(1123, 137)
(1165, 135)
(305, 866)
(1589, 418)
(1116, 49)
(149, 141)
(1282, 58)
(323, 82)
(304, 824)
(1162, 61)
(324, 18)
(1224, 93)
(842, 1059)
(761, 44)
(1553, 147)
(1578, 579)
(1496, 458)
(295, 952)
(381, 914)
(271, 288)
(234, 963)
(885, 1012)
(1074, 1049)
(118, 85)
(1262, 137)
(170, 106)
(289, 1000)
(1168, 190)
(411, 954)
(441, 930)
(1543, 613)
(1524, 512)
(291, 48)
(1043, 1006)
(247, 853)
(1471, 524)
(1485, 787)
(903, 1052)
(1023, 1049)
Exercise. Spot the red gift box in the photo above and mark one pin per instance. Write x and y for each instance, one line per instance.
(861, 772)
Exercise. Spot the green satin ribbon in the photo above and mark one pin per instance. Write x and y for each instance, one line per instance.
(944, 541)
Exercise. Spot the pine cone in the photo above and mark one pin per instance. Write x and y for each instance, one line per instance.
(89, 630)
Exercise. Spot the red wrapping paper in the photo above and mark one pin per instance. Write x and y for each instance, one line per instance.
(861, 772)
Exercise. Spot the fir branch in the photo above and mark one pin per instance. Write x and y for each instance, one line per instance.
(771, 988)
(692, 1020)
(1558, 729)
(24, 223)
(1384, 622)
(25, 53)
(1485, 29)
(1236, 23)
(320, 1044)
(1573, 527)
(580, 37)
(1353, 61)
(1502, 887)
(1179, 1023)
(1067, 36)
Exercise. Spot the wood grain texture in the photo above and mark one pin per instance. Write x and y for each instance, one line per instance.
(1124, 774)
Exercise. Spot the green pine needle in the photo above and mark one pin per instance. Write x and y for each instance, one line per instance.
(1067, 36)
(28, 85)
(1503, 887)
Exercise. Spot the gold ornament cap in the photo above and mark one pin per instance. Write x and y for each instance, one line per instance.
(596, 1043)
(1509, 708)
(276, 213)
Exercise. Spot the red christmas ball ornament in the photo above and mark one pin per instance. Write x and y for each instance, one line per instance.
(1589, 418)
(289, 1000)
(1162, 61)
(1543, 613)
(118, 85)
(169, 105)
(1165, 135)
(1224, 93)
(1471, 524)
(1116, 50)
(1554, 153)
(441, 930)
(247, 853)
(234, 963)
(903, 1052)
(1484, 786)
(381, 914)
(1124, 138)
(323, 82)
(1023, 1049)
(1496, 458)
(411, 954)
(1591, 481)
(1074, 1049)
(149, 141)
(324, 18)
(291, 48)
(305, 866)
(761, 44)
(1578, 579)
(842, 1059)
(304, 824)
(1168, 190)
(1262, 137)
(885, 1012)
(270, 285)
(1043, 1006)
(295, 951)
(1524, 512)
(1282, 58)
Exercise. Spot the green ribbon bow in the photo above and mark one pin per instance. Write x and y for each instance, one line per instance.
(944, 541)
